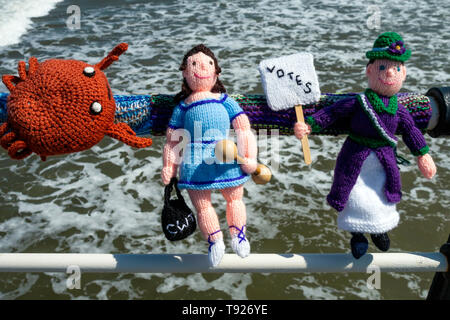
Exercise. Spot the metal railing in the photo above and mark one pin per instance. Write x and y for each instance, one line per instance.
(198, 263)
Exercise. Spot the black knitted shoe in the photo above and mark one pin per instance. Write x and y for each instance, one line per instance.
(359, 245)
(381, 240)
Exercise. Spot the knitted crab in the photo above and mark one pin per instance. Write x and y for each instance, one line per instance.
(62, 106)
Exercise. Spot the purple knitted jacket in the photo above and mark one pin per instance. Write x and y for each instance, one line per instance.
(360, 143)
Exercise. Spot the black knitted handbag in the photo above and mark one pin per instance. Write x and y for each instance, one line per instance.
(177, 219)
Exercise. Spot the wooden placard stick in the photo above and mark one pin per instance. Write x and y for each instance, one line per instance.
(305, 142)
(291, 81)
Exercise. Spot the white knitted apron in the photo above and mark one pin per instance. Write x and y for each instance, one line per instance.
(367, 209)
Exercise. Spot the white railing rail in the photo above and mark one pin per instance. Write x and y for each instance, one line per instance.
(198, 263)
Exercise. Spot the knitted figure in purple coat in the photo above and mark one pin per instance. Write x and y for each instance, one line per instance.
(366, 184)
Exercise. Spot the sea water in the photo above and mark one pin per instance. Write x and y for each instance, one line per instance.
(109, 199)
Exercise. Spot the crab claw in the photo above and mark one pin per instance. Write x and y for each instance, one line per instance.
(10, 81)
(122, 132)
(19, 150)
(4, 128)
(112, 56)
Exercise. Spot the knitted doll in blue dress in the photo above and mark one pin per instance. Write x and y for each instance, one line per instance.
(366, 184)
(203, 117)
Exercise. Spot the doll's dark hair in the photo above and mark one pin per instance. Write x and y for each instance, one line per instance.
(185, 90)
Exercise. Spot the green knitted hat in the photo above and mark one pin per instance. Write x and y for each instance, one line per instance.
(389, 45)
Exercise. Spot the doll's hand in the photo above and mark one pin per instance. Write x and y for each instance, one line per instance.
(301, 129)
(249, 166)
(426, 166)
(167, 174)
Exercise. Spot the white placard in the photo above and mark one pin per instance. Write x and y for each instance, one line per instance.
(289, 81)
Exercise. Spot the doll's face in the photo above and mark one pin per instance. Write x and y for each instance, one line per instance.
(385, 76)
(200, 72)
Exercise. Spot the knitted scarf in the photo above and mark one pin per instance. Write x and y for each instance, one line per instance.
(378, 105)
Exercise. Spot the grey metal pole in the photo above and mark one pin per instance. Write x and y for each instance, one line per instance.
(440, 287)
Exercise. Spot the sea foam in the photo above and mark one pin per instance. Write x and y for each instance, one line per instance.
(15, 17)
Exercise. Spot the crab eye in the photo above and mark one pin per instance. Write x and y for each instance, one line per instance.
(89, 72)
(95, 108)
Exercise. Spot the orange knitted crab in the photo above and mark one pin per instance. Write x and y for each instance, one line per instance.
(62, 106)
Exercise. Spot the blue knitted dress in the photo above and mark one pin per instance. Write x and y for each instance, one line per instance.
(206, 122)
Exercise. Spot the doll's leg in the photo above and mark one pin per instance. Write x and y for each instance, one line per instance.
(359, 245)
(381, 241)
(236, 218)
(208, 224)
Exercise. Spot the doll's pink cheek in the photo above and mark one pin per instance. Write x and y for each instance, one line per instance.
(373, 75)
(382, 77)
(189, 76)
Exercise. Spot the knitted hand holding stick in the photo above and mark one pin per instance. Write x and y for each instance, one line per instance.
(291, 81)
(301, 129)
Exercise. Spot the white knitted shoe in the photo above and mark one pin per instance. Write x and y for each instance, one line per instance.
(216, 252)
(240, 246)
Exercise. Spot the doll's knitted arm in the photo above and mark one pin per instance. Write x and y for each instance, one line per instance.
(171, 159)
(415, 141)
(328, 115)
(325, 117)
(171, 155)
(411, 135)
(246, 143)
